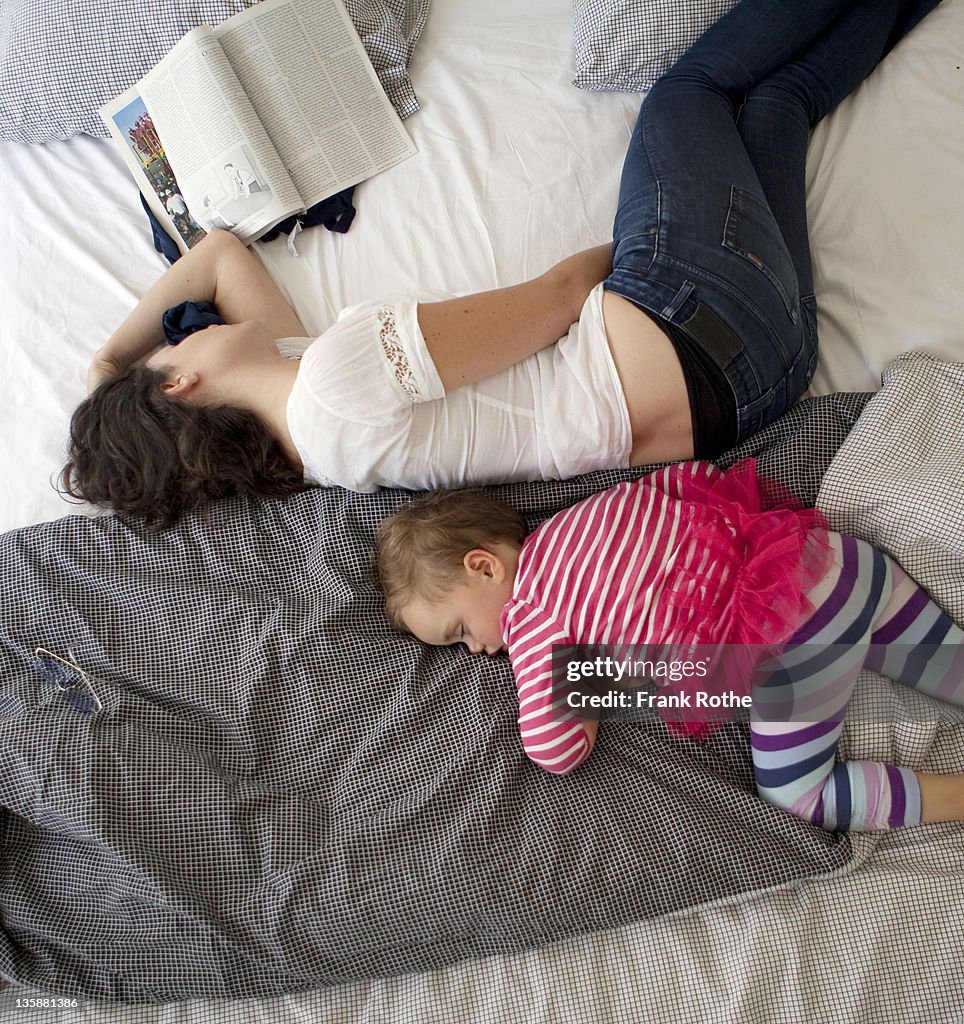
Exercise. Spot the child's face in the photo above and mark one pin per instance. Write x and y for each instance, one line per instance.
(470, 612)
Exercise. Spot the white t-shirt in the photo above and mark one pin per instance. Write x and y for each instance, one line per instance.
(368, 409)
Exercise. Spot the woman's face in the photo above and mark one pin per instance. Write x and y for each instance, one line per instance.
(216, 350)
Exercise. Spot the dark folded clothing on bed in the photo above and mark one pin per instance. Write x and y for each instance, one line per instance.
(335, 213)
(187, 317)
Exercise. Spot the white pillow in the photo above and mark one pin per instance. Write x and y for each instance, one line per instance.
(898, 479)
(626, 45)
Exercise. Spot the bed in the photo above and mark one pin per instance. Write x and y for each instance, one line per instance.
(681, 901)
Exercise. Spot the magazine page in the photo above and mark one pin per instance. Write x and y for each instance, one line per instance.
(309, 78)
(228, 171)
(131, 127)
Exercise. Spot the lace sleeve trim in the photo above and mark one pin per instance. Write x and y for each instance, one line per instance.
(395, 354)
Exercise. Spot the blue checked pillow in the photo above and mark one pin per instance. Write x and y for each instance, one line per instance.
(896, 481)
(60, 60)
(626, 45)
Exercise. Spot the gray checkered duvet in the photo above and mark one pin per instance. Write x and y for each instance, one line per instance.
(250, 785)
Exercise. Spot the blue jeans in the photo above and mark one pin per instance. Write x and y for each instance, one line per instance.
(711, 229)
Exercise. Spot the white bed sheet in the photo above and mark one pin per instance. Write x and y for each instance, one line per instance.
(517, 168)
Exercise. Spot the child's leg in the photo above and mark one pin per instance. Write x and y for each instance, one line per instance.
(916, 643)
(798, 711)
(869, 614)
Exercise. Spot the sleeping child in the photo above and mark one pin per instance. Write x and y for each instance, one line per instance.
(690, 555)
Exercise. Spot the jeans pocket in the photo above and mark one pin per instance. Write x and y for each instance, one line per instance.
(808, 306)
(751, 232)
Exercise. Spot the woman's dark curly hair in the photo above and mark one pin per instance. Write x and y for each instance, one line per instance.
(138, 452)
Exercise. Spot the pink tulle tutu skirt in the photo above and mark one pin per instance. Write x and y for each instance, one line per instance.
(750, 555)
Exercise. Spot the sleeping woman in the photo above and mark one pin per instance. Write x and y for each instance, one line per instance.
(692, 331)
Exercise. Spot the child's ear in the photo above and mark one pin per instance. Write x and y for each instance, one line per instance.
(480, 562)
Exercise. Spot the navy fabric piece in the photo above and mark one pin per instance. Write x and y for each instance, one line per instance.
(187, 317)
(335, 213)
(163, 242)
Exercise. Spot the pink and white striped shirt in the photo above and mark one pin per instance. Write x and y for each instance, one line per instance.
(651, 561)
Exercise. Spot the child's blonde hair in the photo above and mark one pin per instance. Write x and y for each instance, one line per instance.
(421, 547)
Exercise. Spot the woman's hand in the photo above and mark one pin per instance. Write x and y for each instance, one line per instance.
(101, 368)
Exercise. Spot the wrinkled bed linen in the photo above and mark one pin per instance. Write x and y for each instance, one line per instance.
(279, 793)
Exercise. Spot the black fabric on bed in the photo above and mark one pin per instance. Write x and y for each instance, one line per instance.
(280, 793)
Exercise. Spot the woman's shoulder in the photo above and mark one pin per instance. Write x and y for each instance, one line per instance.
(375, 345)
(353, 335)
(359, 327)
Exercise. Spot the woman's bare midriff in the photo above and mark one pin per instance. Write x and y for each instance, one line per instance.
(653, 383)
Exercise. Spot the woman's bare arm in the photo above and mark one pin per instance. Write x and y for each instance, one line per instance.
(477, 335)
(219, 269)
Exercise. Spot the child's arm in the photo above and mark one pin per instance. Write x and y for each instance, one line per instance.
(553, 735)
(590, 728)
(558, 742)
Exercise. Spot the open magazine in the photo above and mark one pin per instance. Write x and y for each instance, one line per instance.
(246, 124)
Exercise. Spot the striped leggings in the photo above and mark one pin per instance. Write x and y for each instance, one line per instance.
(869, 614)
